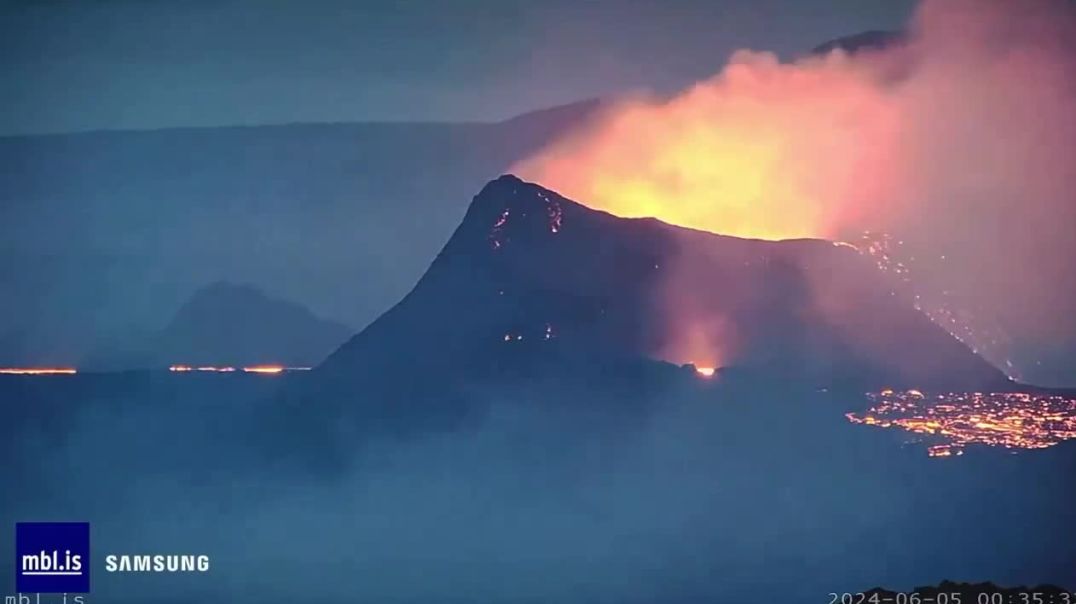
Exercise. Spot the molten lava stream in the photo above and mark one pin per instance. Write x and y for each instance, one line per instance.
(37, 371)
(270, 369)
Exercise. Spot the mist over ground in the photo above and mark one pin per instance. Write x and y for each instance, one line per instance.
(704, 490)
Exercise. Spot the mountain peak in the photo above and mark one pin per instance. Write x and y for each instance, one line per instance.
(498, 190)
(507, 190)
(532, 270)
(509, 208)
(870, 40)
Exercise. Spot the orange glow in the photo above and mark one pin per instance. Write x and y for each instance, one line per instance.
(954, 420)
(37, 371)
(944, 451)
(963, 128)
(705, 371)
(693, 333)
(762, 150)
(265, 369)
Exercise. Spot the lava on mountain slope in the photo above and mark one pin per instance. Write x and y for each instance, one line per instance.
(554, 214)
(970, 326)
(525, 257)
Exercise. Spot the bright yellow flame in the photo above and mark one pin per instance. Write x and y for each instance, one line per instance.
(38, 371)
(265, 369)
(762, 150)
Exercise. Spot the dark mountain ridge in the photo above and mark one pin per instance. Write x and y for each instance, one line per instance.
(529, 270)
(105, 233)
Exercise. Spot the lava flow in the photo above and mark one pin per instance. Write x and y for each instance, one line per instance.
(265, 369)
(270, 369)
(1010, 420)
(204, 368)
(972, 327)
(37, 371)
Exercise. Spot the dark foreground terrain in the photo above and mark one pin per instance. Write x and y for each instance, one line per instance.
(541, 482)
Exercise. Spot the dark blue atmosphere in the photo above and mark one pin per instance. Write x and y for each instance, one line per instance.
(479, 407)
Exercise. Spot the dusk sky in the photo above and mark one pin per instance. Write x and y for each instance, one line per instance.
(129, 64)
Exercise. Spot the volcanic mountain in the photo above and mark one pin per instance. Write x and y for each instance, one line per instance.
(532, 274)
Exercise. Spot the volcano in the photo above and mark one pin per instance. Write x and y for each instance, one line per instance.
(532, 275)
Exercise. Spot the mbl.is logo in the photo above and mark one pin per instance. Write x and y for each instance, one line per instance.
(52, 557)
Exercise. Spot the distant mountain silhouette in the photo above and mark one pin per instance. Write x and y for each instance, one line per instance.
(233, 324)
(868, 40)
(103, 232)
(226, 324)
(531, 273)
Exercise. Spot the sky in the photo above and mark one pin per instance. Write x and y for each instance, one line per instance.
(144, 64)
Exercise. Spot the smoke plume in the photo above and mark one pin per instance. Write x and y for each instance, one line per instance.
(957, 140)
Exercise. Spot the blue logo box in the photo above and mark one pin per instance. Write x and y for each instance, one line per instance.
(52, 557)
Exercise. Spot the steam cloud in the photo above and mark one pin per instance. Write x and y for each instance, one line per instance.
(958, 141)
